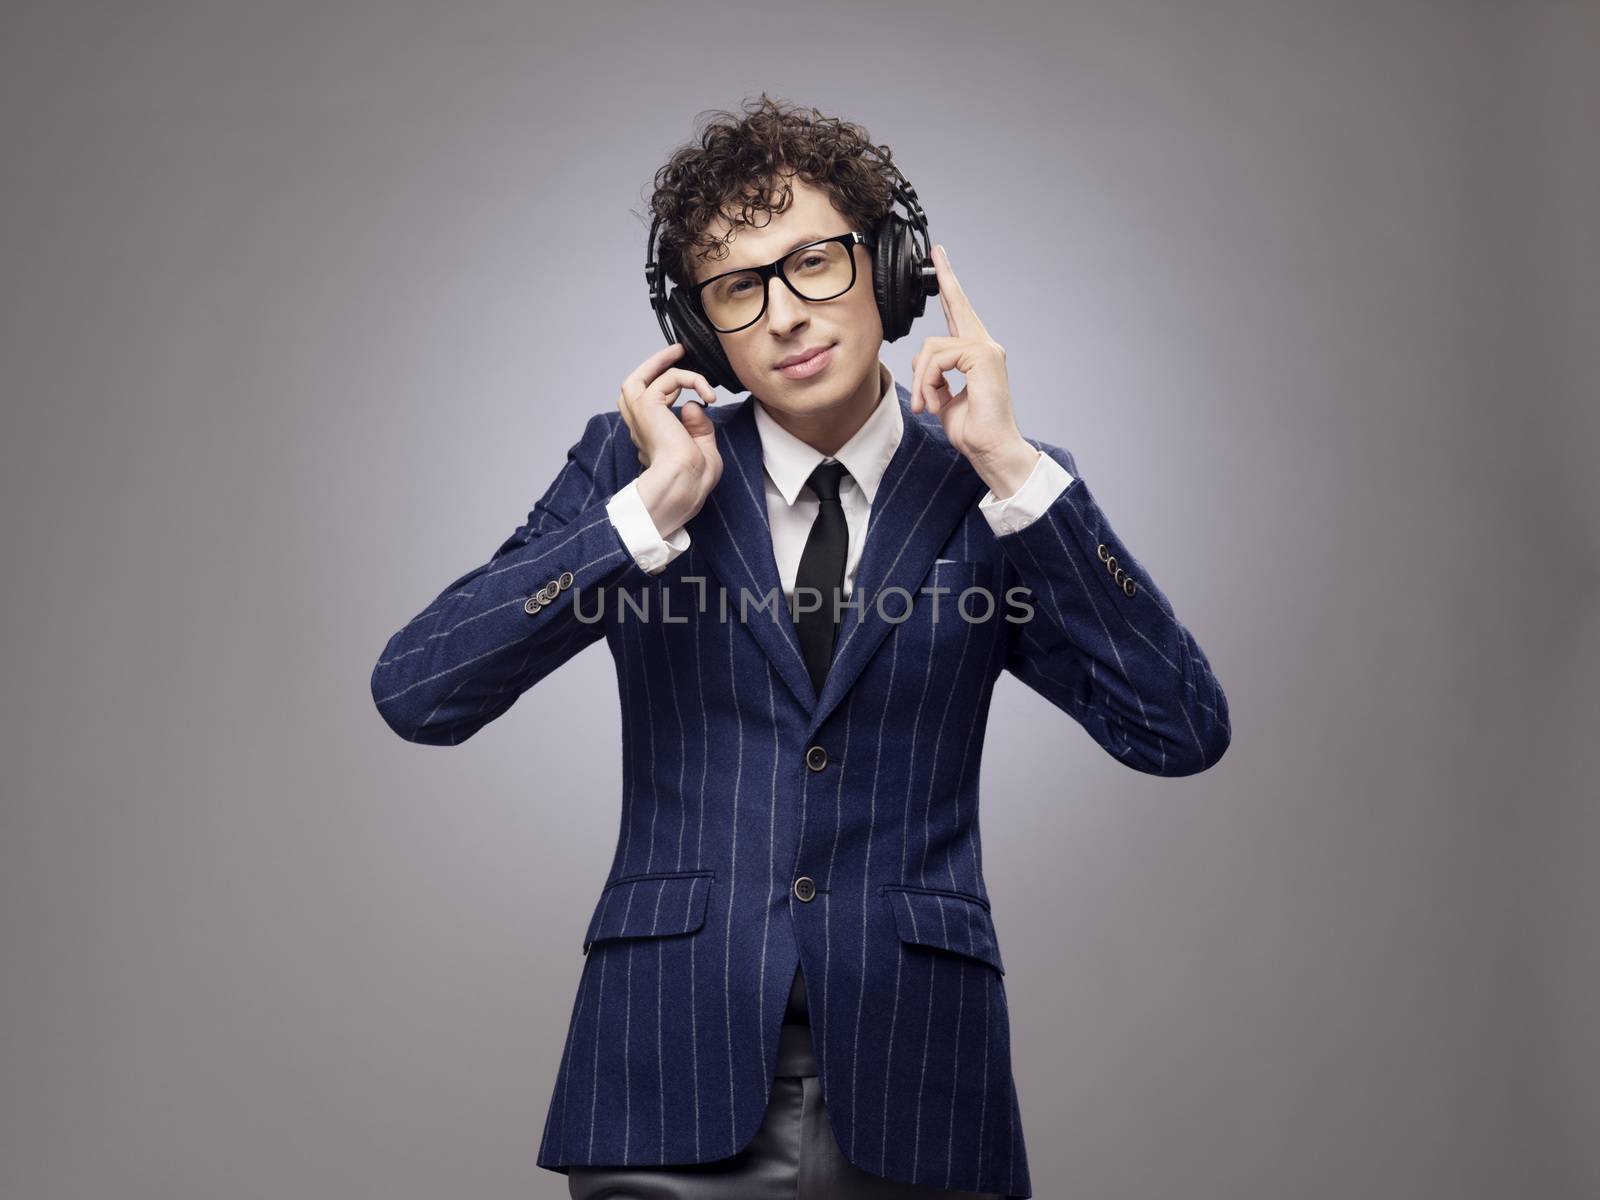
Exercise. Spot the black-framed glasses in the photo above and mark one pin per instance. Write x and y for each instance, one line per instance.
(819, 270)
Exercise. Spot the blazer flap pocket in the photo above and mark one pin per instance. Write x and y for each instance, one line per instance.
(946, 920)
(650, 905)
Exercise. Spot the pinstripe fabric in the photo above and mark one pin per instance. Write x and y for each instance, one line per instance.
(693, 938)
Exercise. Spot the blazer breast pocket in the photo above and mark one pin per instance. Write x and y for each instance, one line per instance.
(953, 615)
(947, 571)
(965, 590)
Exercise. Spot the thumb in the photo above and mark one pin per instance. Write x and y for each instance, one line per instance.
(695, 420)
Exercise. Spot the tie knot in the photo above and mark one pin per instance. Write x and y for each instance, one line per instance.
(825, 479)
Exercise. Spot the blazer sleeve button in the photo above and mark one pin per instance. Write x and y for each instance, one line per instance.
(532, 605)
(1102, 552)
(1129, 586)
(565, 581)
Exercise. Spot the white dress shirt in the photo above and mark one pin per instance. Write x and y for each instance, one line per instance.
(792, 505)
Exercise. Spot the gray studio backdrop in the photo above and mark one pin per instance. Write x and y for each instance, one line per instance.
(304, 304)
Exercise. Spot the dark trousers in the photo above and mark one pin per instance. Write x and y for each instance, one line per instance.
(793, 1156)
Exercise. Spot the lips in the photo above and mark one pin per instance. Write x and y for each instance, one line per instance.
(809, 368)
(796, 359)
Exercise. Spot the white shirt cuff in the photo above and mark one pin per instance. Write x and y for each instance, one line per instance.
(633, 522)
(1039, 491)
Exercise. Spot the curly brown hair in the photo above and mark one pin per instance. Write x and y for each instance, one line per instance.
(733, 170)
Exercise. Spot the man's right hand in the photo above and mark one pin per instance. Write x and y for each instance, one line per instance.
(680, 456)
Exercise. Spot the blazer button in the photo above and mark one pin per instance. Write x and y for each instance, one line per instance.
(532, 605)
(816, 759)
(1111, 564)
(565, 581)
(1102, 552)
(805, 888)
(1120, 575)
(1128, 585)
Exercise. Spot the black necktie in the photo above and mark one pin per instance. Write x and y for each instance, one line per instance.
(822, 570)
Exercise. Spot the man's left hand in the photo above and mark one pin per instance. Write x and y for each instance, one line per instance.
(978, 419)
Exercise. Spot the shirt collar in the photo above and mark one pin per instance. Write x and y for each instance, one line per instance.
(790, 461)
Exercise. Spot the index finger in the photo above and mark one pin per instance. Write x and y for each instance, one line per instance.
(958, 311)
(646, 372)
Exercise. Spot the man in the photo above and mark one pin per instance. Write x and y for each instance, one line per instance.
(793, 983)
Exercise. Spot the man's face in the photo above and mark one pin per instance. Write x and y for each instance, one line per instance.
(849, 323)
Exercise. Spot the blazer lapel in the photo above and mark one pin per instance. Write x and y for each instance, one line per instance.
(733, 531)
(925, 491)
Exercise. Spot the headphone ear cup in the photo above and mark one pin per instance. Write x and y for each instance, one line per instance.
(896, 278)
(883, 288)
(914, 295)
(702, 352)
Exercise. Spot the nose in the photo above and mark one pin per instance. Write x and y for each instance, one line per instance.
(785, 310)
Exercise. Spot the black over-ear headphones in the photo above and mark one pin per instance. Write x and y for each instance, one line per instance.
(903, 277)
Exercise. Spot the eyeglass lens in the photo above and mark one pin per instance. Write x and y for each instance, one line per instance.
(817, 273)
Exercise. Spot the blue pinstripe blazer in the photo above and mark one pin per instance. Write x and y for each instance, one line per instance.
(738, 780)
